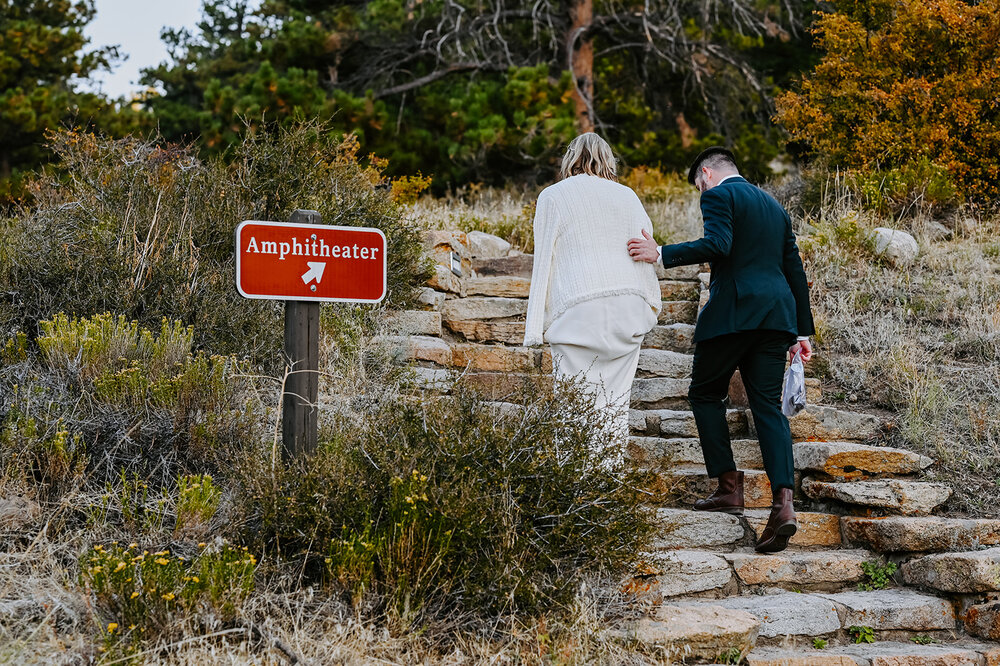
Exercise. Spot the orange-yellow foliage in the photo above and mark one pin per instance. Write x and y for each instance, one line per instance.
(920, 82)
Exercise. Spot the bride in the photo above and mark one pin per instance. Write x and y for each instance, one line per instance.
(589, 300)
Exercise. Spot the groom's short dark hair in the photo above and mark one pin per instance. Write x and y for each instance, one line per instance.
(716, 155)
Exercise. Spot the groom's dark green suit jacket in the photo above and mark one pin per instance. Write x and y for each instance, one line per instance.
(757, 277)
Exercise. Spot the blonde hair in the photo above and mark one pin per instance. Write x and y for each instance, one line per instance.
(589, 154)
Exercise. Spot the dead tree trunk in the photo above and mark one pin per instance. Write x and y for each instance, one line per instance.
(580, 55)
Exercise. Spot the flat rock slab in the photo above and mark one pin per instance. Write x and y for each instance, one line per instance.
(983, 620)
(848, 460)
(508, 332)
(920, 534)
(906, 497)
(686, 572)
(677, 272)
(697, 529)
(444, 280)
(696, 632)
(970, 572)
(416, 322)
(679, 290)
(815, 529)
(687, 451)
(829, 424)
(516, 266)
(894, 609)
(495, 358)
(417, 348)
(675, 337)
(665, 363)
(486, 246)
(799, 567)
(787, 614)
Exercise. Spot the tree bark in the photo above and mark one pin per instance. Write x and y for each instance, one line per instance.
(580, 53)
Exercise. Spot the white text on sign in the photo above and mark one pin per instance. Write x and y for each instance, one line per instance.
(311, 248)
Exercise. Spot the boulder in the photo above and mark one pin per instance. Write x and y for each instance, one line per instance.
(897, 246)
(444, 280)
(487, 246)
(894, 609)
(430, 298)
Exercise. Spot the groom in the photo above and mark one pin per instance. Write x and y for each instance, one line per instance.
(758, 309)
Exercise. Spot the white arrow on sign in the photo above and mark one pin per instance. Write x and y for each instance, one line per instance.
(315, 271)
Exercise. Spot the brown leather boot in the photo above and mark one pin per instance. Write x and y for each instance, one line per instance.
(781, 523)
(728, 497)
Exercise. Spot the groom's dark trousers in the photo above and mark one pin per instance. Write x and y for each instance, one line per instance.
(758, 302)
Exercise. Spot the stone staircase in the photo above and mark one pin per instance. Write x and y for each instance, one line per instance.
(704, 595)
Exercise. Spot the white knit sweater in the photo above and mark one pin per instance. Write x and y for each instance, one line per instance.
(582, 228)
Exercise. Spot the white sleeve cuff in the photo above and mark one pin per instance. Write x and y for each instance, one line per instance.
(802, 337)
(659, 257)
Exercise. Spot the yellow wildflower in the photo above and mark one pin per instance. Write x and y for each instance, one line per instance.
(169, 596)
(121, 565)
(134, 595)
(112, 626)
(162, 561)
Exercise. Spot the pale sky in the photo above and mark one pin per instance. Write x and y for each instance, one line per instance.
(135, 26)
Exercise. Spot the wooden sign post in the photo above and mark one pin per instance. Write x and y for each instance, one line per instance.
(305, 263)
(299, 413)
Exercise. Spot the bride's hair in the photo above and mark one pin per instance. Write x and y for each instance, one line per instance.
(590, 154)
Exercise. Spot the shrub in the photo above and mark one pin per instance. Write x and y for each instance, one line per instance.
(146, 230)
(445, 503)
(40, 453)
(904, 88)
(145, 596)
(652, 185)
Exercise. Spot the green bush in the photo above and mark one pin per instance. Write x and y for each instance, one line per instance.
(145, 229)
(437, 503)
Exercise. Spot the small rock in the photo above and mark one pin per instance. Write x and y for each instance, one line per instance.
(431, 298)
(898, 246)
(983, 620)
(936, 231)
(970, 572)
(444, 280)
(487, 246)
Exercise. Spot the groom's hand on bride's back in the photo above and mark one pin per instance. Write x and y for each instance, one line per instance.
(644, 249)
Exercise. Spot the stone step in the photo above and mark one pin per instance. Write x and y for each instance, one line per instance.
(507, 332)
(504, 286)
(664, 363)
(966, 573)
(888, 653)
(920, 534)
(893, 495)
(678, 312)
(679, 290)
(829, 424)
(516, 266)
(683, 572)
(673, 337)
(652, 392)
(683, 485)
(692, 632)
(684, 528)
(983, 620)
(478, 308)
(661, 451)
(827, 569)
(848, 460)
(814, 529)
(790, 614)
(678, 423)
(782, 614)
